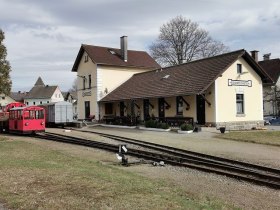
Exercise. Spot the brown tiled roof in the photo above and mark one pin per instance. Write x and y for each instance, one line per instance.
(103, 56)
(272, 68)
(41, 92)
(18, 96)
(186, 79)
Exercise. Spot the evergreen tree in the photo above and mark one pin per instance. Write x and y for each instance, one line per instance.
(5, 68)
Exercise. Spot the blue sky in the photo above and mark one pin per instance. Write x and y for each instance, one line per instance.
(43, 37)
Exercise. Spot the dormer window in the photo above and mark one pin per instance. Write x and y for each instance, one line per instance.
(239, 68)
(86, 58)
(112, 52)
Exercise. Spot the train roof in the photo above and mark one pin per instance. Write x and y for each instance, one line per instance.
(27, 108)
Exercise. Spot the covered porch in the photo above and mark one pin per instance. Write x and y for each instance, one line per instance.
(173, 111)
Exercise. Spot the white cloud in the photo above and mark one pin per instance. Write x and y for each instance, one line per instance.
(43, 37)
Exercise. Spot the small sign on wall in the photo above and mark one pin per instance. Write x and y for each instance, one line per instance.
(86, 93)
(247, 83)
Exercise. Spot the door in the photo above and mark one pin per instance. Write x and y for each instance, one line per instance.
(146, 105)
(200, 110)
(161, 108)
(87, 109)
(121, 108)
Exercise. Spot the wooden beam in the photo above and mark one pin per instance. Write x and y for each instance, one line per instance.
(188, 105)
(208, 102)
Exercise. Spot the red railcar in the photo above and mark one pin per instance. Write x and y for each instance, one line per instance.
(27, 120)
(4, 115)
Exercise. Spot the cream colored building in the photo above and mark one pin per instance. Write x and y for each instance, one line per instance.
(224, 90)
(102, 69)
(5, 100)
(43, 94)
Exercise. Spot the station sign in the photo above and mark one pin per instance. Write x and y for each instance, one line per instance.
(86, 93)
(247, 83)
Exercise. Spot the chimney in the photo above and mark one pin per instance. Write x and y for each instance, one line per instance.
(254, 54)
(266, 57)
(124, 48)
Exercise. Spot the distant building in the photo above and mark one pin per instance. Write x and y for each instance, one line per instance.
(271, 91)
(4, 100)
(102, 69)
(18, 96)
(42, 94)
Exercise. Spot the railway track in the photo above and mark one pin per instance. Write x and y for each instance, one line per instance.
(239, 170)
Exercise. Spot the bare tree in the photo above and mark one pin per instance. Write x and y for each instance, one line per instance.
(5, 68)
(74, 87)
(181, 40)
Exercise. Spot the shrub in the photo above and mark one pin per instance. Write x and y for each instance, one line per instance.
(186, 127)
(151, 123)
(164, 125)
(155, 124)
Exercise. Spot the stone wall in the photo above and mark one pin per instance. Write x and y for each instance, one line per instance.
(241, 125)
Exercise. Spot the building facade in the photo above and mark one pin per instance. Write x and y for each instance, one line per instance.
(101, 69)
(43, 94)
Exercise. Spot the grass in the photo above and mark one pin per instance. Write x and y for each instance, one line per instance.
(260, 137)
(34, 177)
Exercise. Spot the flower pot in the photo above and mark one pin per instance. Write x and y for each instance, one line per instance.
(222, 129)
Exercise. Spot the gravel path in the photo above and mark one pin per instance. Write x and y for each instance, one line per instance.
(205, 142)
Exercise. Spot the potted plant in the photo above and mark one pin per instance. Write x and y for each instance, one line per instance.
(222, 129)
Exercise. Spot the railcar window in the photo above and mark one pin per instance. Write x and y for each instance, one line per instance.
(39, 114)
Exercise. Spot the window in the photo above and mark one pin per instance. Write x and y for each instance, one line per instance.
(27, 103)
(239, 68)
(34, 103)
(89, 81)
(48, 102)
(179, 105)
(108, 108)
(84, 83)
(240, 103)
(86, 58)
(41, 102)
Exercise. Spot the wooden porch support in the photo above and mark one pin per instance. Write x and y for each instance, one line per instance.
(151, 105)
(188, 105)
(136, 104)
(208, 102)
(167, 105)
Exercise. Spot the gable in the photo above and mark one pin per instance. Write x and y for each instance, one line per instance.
(112, 57)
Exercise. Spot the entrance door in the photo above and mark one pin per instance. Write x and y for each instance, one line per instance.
(146, 109)
(161, 108)
(200, 110)
(87, 109)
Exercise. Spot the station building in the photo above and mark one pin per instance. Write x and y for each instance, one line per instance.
(224, 90)
(102, 69)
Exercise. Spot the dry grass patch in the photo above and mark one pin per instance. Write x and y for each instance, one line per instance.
(33, 177)
(260, 137)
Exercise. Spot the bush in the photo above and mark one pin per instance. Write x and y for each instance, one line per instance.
(186, 127)
(151, 123)
(155, 124)
(164, 125)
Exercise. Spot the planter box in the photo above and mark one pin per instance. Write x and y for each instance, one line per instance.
(155, 129)
(184, 132)
(118, 126)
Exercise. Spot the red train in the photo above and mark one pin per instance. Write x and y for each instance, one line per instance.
(18, 118)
